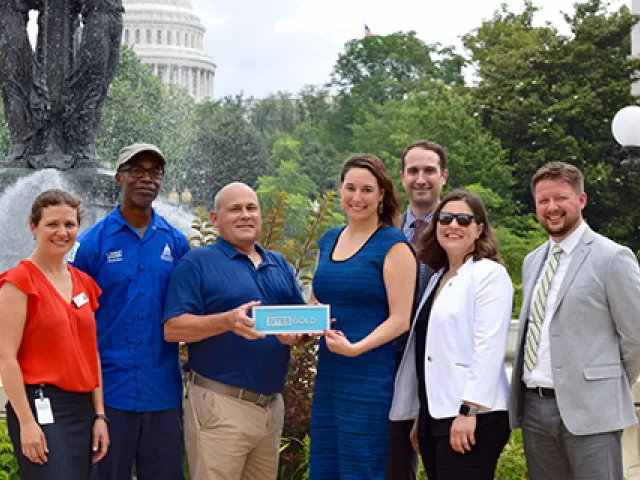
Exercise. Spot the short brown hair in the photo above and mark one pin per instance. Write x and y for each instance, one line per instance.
(559, 171)
(431, 252)
(51, 198)
(426, 145)
(390, 199)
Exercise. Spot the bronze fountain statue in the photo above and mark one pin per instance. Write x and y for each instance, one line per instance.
(53, 97)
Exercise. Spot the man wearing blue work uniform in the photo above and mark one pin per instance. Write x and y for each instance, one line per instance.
(131, 254)
(234, 411)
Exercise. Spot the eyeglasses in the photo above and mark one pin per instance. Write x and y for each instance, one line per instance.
(463, 219)
(138, 172)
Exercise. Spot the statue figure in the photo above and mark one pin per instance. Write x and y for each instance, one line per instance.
(54, 97)
(23, 112)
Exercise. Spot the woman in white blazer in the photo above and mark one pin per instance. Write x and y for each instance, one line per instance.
(452, 378)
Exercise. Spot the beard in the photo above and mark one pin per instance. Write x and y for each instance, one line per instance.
(562, 230)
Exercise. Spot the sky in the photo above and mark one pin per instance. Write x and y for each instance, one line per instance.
(261, 47)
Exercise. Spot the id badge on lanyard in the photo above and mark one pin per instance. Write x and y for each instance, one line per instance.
(43, 408)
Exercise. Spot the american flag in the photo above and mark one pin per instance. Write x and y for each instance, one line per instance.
(367, 31)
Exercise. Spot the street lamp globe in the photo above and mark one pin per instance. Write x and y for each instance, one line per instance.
(626, 130)
(186, 196)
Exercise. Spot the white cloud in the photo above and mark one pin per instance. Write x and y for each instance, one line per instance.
(264, 46)
(215, 22)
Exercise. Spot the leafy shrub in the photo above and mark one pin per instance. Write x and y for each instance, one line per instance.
(512, 464)
(299, 471)
(8, 460)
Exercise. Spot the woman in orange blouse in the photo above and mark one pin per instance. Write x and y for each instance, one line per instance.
(49, 360)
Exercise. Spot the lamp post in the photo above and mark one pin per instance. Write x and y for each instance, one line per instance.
(174, 197)
(626, 130)
(180, 199)
(186, 197)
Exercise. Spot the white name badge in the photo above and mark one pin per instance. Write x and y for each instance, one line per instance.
(43, 411)
(80, 299)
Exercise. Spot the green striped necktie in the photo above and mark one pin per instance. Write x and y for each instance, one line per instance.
(537, 314)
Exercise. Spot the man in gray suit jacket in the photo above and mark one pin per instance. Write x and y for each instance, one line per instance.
(578, 350)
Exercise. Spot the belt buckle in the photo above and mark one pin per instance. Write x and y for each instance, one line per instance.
(541, 393)
(261, 400)
(241, 394)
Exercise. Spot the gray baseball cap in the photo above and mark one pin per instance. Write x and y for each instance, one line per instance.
(127, 153)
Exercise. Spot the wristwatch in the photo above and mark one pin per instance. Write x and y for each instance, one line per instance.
(101, 416)
(468, 411)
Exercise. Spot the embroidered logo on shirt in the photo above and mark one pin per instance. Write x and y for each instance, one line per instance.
(167, 256)
(115, 256)
(72, 253)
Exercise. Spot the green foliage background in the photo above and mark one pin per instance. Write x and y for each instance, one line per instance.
(8, 461)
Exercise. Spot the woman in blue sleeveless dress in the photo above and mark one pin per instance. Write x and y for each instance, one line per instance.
(366, 272)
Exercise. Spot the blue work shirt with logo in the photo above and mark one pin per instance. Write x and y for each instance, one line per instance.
(140, 370)
(218, 278)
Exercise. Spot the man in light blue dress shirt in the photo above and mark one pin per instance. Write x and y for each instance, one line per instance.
(424, 174)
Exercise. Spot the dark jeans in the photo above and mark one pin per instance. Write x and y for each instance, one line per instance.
(151, 440)
(402, 463)
(68, 438)
(442, 463)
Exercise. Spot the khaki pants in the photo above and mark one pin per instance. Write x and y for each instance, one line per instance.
(231, 439)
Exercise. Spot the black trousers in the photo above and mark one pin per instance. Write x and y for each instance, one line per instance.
(68, 438)
(441, 462)
(402, 463)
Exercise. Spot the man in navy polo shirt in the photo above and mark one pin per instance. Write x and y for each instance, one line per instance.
(131, 254)
(234, 411)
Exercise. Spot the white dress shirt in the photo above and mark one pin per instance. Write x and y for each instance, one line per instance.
(542, 374)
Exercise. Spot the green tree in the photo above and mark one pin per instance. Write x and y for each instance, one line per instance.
(473, 154)
(299, 189)
(236, 103)
(389, 67)
(290, 178)
(552, 97)
(226, 148)
(314, 105)
(140, 108)
(4, 132)
(285, 148)
(274, 114)
(319, 157)
(376, 69)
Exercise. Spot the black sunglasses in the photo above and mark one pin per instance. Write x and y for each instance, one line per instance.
(138, 172)
(463, 219)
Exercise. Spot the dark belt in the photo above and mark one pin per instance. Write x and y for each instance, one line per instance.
(231, 391)
(543, 392)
